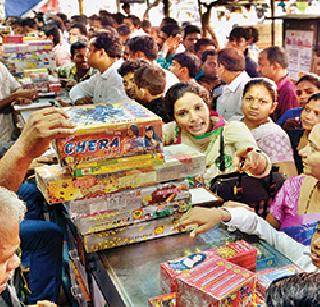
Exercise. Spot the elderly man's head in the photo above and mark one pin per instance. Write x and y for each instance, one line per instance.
(11, 213)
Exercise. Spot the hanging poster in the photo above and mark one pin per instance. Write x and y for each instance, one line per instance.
(298, 45)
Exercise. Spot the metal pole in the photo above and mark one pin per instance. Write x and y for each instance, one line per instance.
(166, 8)
(81, 7)
(273, 25)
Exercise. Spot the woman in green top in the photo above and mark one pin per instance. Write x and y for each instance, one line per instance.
(193, 124)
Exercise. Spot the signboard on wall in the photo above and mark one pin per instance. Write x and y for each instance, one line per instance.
(298, 44)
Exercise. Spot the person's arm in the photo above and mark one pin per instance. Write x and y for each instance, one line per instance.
(251, 223)
(84, 89)
(248, 222)
(42, 127)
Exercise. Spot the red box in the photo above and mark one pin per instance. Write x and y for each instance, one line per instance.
(13, 39)
(170, 270)
(216, 282)
(240, 253)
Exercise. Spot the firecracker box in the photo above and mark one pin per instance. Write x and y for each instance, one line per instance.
(131, 234)
(118, 218)
(268, 257)
(12, 39)
(168, 192)
(216, 282)
(58, 186)
(164, 300)
(110, 131)
(240, 253)
(29, 55)
(117, 164)
(266, 277)
(170, 270)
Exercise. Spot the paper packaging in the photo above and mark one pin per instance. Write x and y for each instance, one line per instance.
(104, 221)
(12, 39)
(266, 277)
(110, 131)
(170, 270)
(131, 234)
(216, 282)
(240, 253)
(268, 257)
(169, 192)
(165, 300)
(57, 186)
(116, 165)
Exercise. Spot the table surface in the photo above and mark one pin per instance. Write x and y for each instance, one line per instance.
(135, 269)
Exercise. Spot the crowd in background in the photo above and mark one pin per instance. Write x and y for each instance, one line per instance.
(198, 88)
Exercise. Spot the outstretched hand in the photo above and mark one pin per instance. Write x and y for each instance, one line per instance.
(251, 161)
(41, 128)
(203, 219)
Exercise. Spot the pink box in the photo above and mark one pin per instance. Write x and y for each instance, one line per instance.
(170, 270)
(216, 282)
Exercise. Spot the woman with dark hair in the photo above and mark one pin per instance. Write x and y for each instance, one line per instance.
(310, 116)
(192, 124)
(306, 86)
(295, 209)
(258, 103)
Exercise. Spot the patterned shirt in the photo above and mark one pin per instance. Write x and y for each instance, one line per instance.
(274, 142)
(284, 209)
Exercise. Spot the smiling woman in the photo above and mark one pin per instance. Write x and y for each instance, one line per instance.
(193, 124)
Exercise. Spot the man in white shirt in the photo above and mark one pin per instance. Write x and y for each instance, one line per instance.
(10, 92)
(230, 69)
(106, 85)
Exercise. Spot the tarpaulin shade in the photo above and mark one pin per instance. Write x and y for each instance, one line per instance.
(19, 7)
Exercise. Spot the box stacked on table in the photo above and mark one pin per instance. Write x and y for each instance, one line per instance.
(240, 253)
(113, 173)
(20, 54)
(30, 60)
(205, 279)
(131, 206)
(58, 186)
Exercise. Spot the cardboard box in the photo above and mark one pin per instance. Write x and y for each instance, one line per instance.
(110, 131)
(12, 39)
(131, 234)
(58, 186)
(216, 282)
(116, 165)
(163, 193)
(119, 218)
(266, 277)
(268, 257)
(170, 270)
(240, 253)
(165, 300)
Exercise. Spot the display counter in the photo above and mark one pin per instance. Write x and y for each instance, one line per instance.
(130, 275)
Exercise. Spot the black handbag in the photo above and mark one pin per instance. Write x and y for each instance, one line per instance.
(240, 187)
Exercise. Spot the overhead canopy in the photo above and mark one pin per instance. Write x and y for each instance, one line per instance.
(19, 7)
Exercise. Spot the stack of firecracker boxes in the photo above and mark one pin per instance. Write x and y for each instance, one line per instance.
(30, 60)
(119, 183)
(222, 276)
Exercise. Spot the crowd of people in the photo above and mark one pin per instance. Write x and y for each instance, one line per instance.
(200, 91)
